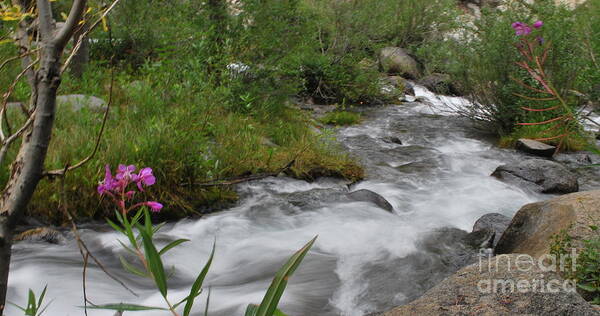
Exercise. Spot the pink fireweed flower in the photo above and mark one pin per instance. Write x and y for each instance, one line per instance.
(521, 28)
(154, 206)
(126, 173)
(146, 178)
(108, 184)
(538, 24)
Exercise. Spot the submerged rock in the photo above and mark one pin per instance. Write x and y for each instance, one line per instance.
(392, 140)
(372, 197)
(494, 222)
(496, 287)
(41, 234)
(439, 83)
(534, 147)
(543, 176)
(532, 228)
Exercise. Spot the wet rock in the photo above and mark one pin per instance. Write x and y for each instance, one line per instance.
(42, 234)
(372, 197)
(539, 175)
(494, 222)
(392, 140)
(534, 224)
(439, 83)
(395, 60)
(498, 288)
(79, 101)
(315, 198)
(534, 147)
(401, 83)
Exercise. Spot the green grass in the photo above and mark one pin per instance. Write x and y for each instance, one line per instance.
(341, 118)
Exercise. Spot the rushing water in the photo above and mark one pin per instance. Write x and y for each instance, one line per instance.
(365, 259)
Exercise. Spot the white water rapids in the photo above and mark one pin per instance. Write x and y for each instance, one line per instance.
(365, 259)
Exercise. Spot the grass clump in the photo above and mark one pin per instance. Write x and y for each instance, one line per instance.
(341, 118)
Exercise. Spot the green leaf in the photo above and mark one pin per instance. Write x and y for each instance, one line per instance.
(115, 226)
(127, 266)
(252, 309)
(154, 262)
(269, 303)
(172, 245)
(207, 303)
(122, 307)
(197, 286)
(588, 288)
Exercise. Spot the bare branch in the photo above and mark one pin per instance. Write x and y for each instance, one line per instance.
(7, 142)
(85, 34)
(7, 95)
(75, 15)
(62, 172)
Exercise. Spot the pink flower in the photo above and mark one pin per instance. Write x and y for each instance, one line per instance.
(521, 28)
(146, 178)
(126, 173)
(538, 24)
(154, 206)
(108, 184)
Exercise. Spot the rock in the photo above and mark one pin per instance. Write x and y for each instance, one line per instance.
(401, 84)
(42, 234)
(372, 197)
(494, 222)
(79, 101)
(439, 83)
(534, 224)
(543, 176)
(534, 147)
(392, 140)
(496, 287)
(395, 60)
(315, 198)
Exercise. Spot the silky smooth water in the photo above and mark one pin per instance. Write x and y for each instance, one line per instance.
(365, 259)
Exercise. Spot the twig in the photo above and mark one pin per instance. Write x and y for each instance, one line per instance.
(9, 92)
(7, 142)
(62, 172)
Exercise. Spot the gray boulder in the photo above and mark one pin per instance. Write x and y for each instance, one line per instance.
(534, 147)
(79, 101)
(315, 198)
(540, 175)
(494, 222)
(395, 60)
(497, 287)
(372, 197)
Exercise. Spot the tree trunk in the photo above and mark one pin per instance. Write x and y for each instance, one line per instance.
(27, 168)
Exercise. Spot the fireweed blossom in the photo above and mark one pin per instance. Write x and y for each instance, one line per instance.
(117, 187)
(522, 29)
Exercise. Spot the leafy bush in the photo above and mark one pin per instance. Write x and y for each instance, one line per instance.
(485, 67)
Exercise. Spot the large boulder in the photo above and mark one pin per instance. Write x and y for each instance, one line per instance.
(494, 222)
(371, 197)
(395, 60)
(540, 175)
(494, 286)
(534, 225)
(534, 147)
(79, 101)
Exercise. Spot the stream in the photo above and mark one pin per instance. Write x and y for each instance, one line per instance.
(365, 259)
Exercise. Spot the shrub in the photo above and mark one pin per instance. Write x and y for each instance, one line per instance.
(341, 118)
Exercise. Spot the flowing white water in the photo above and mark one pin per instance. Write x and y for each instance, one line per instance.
(365, 259)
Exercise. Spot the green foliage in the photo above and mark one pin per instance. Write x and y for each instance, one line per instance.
(268, 306)
(34, 306)
(484, 68)
(586, 272)
(341, 118)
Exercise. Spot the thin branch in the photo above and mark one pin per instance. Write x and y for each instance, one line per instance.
(17, 57)
(62, 172)
(84, 35)
(7, 142)
(7, 95)
(75, 15)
